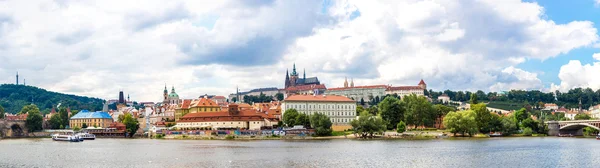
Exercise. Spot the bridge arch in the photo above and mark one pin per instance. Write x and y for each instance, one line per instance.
(577, 126)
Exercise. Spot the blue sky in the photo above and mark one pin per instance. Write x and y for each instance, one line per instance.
(96, 48)
(563, 12)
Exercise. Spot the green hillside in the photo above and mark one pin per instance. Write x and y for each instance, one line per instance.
(14, 97)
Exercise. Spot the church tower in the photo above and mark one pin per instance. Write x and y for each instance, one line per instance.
(352, 82)
(423, 85)
(287, 79)
(293, 76)
(165, 94)
(346, 82)
(17, 77)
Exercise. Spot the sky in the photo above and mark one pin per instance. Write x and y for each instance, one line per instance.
(97, 48)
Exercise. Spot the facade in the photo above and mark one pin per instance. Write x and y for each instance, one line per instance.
(595, 111)
(341, 110)
(571, 114)
(550, 107)
(356, 93)
(231, 118)
(97, 119)
(312, 89)
(196, 106)
(271, 91)
(444, 98)
(182, 109)
(170, 98)
(402, 91)
(293, 79)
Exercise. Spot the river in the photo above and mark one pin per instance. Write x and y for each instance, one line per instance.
(491, 152)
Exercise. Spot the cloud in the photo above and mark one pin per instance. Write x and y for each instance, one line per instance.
(574, 74)
(199, 47)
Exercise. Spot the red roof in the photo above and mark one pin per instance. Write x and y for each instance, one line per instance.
(404, 88)
(359, 87)
(306, 87)
(422, 82)
(243, 115)
(322, 98)
(219, 97)
(204, 102)
(186, 104)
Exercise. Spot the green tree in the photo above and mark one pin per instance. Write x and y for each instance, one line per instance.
(401, 127)
(234, 99)
(84, 125)
(391, 111)
(367, 125)
(131, 124)
(120, 118)
(55, 122)
(474, 99)
(34, 117)
(482, 116)
(582, 117)
(279, 96)
(359, 109)
(290, 116)
(509, 125)
(2, 112)
(530, 123)
(527, 131)
(462, 122)
(362, 101)
(303, 119)
(64, 116)
(521, 115)
(321, 123)
(419, 112)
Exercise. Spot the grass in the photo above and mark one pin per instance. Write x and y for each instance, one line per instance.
(504, 105)
(340, 133)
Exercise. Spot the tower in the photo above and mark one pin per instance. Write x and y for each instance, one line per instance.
(128, 98)
(287, 79)
(422, 84)
(352, 82)
(293, 76)
(165, 94)
(17, 77)
(304, 77)
(346, 82)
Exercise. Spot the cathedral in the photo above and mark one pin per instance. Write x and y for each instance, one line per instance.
(293, 80)
(171, 98)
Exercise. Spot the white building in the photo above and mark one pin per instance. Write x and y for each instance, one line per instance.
(340, 109)
(256, 92)
(595, 111)
(444, 98)
(571, 114)
(550, 107)
(357, 93)
(402, 91)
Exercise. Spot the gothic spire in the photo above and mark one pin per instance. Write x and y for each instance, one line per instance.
(304, 73)
(294, 70)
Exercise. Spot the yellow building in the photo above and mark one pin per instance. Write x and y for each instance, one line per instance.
(97, 119)
(196, 106)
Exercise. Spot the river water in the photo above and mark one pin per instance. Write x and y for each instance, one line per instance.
(492, 152)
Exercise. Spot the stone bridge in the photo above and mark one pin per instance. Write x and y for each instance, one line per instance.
(12, 128)
(571, 127)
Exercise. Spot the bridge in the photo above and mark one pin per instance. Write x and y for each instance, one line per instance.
(571, 127)
(12, 128)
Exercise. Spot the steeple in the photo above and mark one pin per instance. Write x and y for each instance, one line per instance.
(345, 82)
(17, 77)
(128, 97)
(287, 79)
(294, 71)
(304, 74)
(173, 89)
(352, 82)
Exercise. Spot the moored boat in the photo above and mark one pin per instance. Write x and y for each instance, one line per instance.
(496, 134)
(598, 136)
(86, 136)
(70, 138)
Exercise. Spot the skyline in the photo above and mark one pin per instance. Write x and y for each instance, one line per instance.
(98, 48)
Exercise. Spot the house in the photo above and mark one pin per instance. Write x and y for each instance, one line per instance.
(444, 98)
(550, 107)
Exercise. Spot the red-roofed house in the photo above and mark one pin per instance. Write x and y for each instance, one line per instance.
(230, 118)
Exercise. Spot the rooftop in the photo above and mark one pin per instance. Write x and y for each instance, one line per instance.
(321, 98)
(84, 114)
(359, 87)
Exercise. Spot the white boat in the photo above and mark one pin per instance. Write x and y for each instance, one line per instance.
(86, 136)
(70, 138)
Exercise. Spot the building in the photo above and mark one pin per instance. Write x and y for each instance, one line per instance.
(231, 118)
(595, 111)
(444, 98)
(312, 89)
(201, 105)
(293, 79)
(340, 109)
(171, 98)
(571, 114)
(402, 91)
(550, 107)
(220, 100)
(270, 91)
(96, 119)
(356, 93)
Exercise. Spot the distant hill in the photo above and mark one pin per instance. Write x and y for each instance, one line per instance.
(14, 97)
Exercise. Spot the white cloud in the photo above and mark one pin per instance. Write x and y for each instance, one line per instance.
(98, 48)
(596, 56)
(574, 74)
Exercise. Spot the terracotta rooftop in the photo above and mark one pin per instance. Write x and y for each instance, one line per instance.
(422, 82)
(243, 115)
(360, 87)
(404, 88)
(186, 104)
(203, 102)
(323, 98)
(306, 87)
(219, 97)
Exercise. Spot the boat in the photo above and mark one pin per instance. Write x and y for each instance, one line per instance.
(442, 135)
(86, 136)
(70, 138)
(565, 135)
(598, 136)
(496, 134)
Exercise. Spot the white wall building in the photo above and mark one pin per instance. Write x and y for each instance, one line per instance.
(340, 109)
(357, 93)
(402, 91)
(444, 98)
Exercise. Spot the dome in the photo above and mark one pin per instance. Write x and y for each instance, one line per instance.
(173, 95)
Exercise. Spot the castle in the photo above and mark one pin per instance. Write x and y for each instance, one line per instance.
(293, 80)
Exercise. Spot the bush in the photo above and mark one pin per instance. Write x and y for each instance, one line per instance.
(401, 127)
(229, 137)
(527, 131)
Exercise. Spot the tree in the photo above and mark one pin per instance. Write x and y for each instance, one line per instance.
(359, 109)
(290, 116)
(2, 112)
(509, 125)
(321, 123)
(362, 101)
(419, 112)
(482, 116)
(84, 125)
(131, 124)
(34, 117)
(582, 117)
(64, 116)
(303, 119)
(234, 99)
(521, 115)
(391, 111)
(55, 122)
(367, 125)
(373, 110)
(462, 122)
(473, 99)
(279, 96)
(401, 127)
(527, 131)
(120, 118)
(530, 123)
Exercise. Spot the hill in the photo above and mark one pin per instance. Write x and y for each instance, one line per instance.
(14, 97)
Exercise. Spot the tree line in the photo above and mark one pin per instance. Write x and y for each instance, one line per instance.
(14, 97)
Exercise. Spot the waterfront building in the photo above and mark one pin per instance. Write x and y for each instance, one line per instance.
(595, 111)
(570, 114)
(231, 118)
(183, 109)
(402, 91)
(340, 109)
(201, 105)
(356, 93)
(98, 119)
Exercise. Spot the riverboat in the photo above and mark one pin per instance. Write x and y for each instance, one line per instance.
(598, 137)
(496, 134)
(86, 136)
(70, 138)
(565, 135)
(442, 135)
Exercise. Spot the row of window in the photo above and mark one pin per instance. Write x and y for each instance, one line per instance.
(203, 123)
(341, 120)
(352, 113)
(312, 106)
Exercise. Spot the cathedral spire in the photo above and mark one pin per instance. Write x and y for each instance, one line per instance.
(17, 77)
(345, 82)
(351, 82)
(305, 74)
(294, 71)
